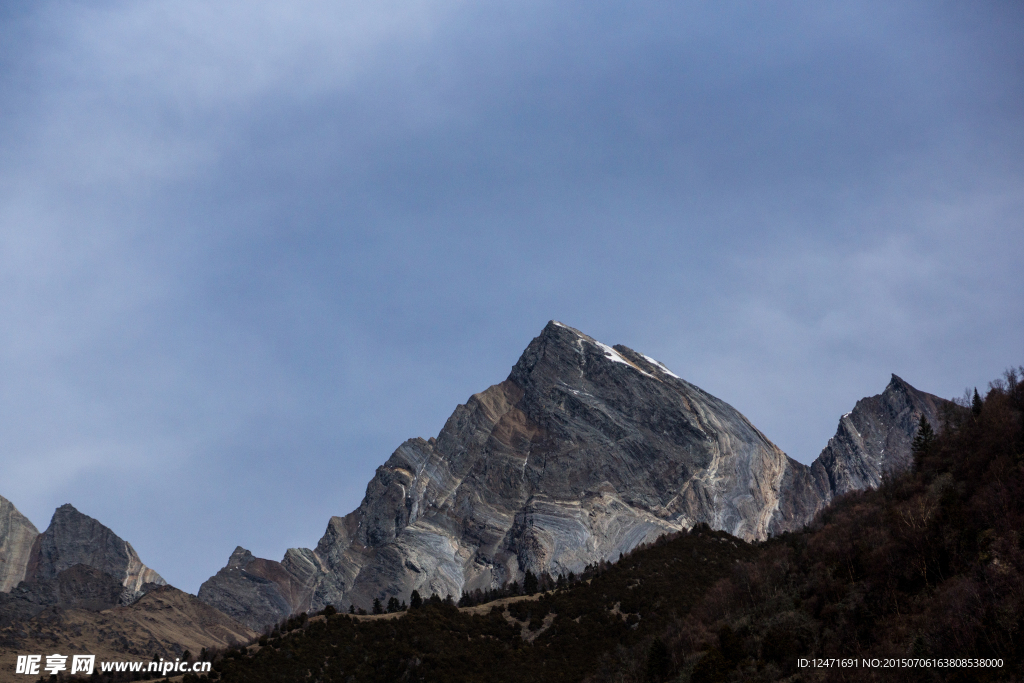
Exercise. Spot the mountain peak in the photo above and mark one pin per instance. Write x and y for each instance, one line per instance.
(76, 538)
(563, 352)
(875, 438)
(585, 451)
(240, 558)
(897, 383)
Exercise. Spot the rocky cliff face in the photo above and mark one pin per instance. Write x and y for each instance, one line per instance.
(85, 589)
(873, 439)
(584, 452)
(73, 538)
(16, 537)
(257, 592)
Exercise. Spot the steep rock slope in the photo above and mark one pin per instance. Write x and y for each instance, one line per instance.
(871, 440)
(258, 592)
(73, 538)
(17, 534)
(584, 452)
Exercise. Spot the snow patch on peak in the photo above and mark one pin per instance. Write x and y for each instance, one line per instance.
(614, 356)
(660, 366)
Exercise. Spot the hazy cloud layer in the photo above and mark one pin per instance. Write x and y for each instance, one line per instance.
(247, 249)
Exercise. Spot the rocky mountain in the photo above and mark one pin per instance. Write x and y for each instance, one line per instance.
(73, 538)
(165, 622)
(76, 563)
(85, 590)
(582, 453)
(17, 534)
(258, 592)
(871, 440)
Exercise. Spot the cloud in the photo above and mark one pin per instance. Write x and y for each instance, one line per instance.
(246, 249)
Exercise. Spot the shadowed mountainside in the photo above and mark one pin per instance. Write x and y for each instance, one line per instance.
(872, 440)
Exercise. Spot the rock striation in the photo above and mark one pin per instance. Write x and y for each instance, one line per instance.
(584, 452)
(257, 592)
(17, 534)
(73, 538)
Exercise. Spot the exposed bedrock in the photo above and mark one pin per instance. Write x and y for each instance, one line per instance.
(17, 534)
(582, 453)
(873, 439)
(73, 538)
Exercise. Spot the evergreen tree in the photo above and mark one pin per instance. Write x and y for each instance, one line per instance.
(922, 440)
(530, 583)
(415, 601)
(976, 403)
(377, 607)
(659, 662)
(393, 604)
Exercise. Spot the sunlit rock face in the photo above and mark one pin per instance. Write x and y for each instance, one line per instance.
(17, 534)
(73, 538)
(872, 440)
(584, 452)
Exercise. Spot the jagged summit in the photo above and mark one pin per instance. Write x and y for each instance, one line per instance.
(562, 346)
(85, 589)
(875, 437)
(872, 439)
(583, 452)
(74, 538)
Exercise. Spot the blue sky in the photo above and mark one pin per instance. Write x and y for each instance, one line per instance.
(246, 249)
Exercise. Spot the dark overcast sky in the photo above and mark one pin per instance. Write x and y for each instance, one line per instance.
(248, 248)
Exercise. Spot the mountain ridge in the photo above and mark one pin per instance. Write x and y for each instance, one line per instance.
(584, 452)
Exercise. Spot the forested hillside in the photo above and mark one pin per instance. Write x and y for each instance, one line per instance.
(929, 566)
